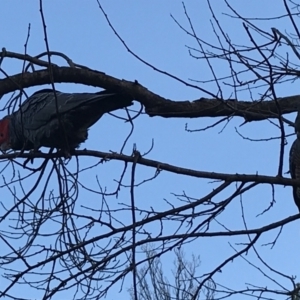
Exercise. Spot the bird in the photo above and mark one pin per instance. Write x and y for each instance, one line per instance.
(294, 160)
(56, 119)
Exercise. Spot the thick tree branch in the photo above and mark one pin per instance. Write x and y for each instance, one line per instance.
(155, 105)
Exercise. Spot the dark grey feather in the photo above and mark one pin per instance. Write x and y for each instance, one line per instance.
(60, 120)
(294, 160)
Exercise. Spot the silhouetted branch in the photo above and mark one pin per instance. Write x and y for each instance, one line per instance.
(155, 105)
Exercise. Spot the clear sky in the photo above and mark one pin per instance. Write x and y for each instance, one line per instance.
(79, 30)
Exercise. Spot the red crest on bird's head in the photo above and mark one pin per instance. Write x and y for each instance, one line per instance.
(4, 134)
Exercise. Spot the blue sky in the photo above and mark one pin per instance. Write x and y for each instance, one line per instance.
(79, 30)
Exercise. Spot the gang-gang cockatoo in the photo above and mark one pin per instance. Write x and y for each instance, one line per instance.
(56, 120)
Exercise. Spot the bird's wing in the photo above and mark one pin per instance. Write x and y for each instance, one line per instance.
(41, 107)
(295, 168)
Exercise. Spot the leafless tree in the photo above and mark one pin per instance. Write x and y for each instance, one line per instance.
(153, 284)
(56, 243)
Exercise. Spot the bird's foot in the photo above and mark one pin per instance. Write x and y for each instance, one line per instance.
(67, 153)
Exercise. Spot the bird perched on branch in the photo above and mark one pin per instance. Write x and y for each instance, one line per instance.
(295, 169)
(56, 120)
(295, 161)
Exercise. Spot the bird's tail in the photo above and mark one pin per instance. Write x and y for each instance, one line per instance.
(110, 101)
(95, 105)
